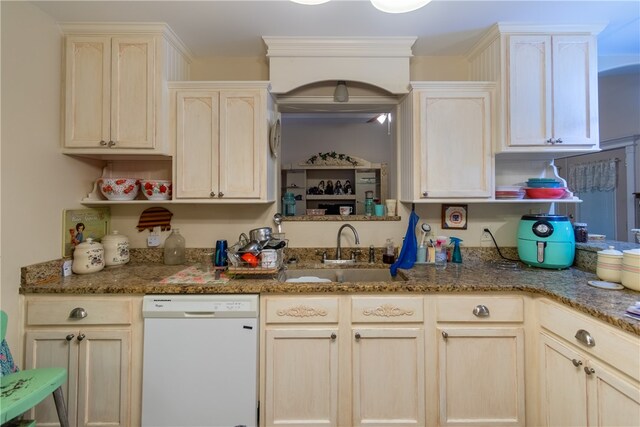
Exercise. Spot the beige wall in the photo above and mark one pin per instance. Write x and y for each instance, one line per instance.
(37, 181)
(619, 105)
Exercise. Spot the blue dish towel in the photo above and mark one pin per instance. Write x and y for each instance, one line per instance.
(409, 250)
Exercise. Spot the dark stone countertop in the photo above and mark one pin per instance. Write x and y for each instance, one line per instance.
(567, 286)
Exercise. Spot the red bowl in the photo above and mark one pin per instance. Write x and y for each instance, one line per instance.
(545, 193)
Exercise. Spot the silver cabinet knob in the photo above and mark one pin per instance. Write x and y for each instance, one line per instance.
(112, 144)
(220, 194)
(589, 370)
(358, 336)
(481, 311)
(445, 335)
(333, 336)
(81, 337)
(78, 313)
(559, 141)
(103, 143)
(425, 193)
(69, 337)
(551, 141)
(576, 362)
(212, 194)
(585, 338)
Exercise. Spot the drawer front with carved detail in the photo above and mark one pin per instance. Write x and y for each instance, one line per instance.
(480, 308)
(387, 309)
(302, 310)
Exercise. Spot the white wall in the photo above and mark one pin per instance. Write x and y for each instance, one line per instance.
(37, 181)
(619, 105)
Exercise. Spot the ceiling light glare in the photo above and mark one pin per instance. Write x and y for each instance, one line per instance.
(310, 1)
(398, 6)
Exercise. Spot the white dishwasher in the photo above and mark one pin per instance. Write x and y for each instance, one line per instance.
(200, 361)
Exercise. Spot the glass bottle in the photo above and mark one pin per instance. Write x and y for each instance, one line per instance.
(174, 252)
(289, 204)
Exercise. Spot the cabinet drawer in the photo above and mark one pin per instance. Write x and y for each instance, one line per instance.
(99, 312)
(610, 345)
(386, 309)
(470, 309)
(302, 310)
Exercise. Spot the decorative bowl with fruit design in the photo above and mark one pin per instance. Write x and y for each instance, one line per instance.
(156, 189)
(119, 188)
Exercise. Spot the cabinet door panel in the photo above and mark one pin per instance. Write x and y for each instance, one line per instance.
(50, 348)
(529, 92)
(456, 144)
(132, 92)
(301, 377)
(197, 144)
(575, 100)
(563, 385)
(612, 400)
(388, 377)
(240, 165)
(87, 100)
(103, 374)
(481, 376)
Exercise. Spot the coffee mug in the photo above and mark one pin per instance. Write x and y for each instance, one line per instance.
(345, 210)
(379, 210)
(220, 259)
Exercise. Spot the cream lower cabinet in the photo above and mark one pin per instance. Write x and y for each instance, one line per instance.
(96, 350)
(221, 134)
(591, 380)
(481, 361)
(321, 369)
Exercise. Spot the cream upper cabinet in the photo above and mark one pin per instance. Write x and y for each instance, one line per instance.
(221, 137)
(552, 91)
(447, 145)
(99, 352)
(481, 361)
(589, 371)
(115, 88)
(547, 86)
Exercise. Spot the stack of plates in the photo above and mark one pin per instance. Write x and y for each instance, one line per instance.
(544, 188)
(509, 192)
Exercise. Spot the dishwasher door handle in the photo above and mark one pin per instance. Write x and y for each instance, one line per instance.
(199, 314)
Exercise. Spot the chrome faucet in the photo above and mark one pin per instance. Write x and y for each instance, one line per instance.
(355, 233)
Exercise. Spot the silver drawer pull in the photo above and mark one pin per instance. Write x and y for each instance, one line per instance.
(585, 338)
(589, 370)
(445, 335)
(78, 313)
(576, 362)
(481, 311)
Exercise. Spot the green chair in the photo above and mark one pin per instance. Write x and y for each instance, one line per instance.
(22, 390)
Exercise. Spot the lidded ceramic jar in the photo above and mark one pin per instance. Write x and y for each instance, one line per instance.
(116, 248)
(631, 269)
(88, 257)
(609, 265)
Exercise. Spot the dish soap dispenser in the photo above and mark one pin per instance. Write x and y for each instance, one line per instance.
(174, 248)
(456, 256)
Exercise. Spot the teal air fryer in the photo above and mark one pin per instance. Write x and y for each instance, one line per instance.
(546, 241)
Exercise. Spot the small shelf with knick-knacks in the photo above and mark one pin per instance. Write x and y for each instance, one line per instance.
(326, 182)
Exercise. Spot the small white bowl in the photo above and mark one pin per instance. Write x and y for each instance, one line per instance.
(119, 188)
(156, 189)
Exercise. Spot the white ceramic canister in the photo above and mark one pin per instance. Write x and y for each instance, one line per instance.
(631, 269)
(88, 257)
(116, 249)
(609, 265)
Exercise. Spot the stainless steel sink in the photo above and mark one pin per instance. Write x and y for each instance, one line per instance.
(340, 275)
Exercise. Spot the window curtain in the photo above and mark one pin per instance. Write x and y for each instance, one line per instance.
(592, 176)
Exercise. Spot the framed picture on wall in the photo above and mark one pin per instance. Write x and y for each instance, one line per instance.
(454, 217)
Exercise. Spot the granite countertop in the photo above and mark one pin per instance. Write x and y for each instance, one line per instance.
(565, 286)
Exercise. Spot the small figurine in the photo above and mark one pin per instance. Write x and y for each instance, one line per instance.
(338, 188)
(329, 188)
(321, 187)
(347, 187)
